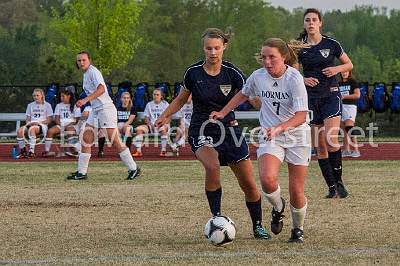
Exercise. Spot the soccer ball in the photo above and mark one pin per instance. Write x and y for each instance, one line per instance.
(220, 230)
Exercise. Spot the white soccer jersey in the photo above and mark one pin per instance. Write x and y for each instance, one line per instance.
(186, 112)
(154, 110)
(281, 97)
(92, 78)
(39, 112)
(66, 116)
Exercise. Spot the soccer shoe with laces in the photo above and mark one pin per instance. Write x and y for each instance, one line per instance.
(163, 154)
(31, 155)
(77, 176)
(341, 190)
(297, 236)
(261, 233)
(277, 219)
(132, 174)
(100, 154)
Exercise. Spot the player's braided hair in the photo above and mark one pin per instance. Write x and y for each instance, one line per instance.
(217, 33)
(289, 50)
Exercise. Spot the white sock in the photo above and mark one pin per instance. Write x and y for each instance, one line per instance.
(21, 143)
(78, 146)
(181, 142)
(47, 144)
(138, 142)
(83, 162)
(127, 159)
(164, 140)
(298, 216)
(275, 199)
(32, 143)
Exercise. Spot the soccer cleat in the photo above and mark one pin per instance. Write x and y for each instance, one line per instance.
(100, 154)
(31, 155)
(132, 174)
(163, 154)
(77, 176)
(22, 154)
(297, 236)
(261, 233)
(355, 154)
(341, 190)
(137, 154)
(45, 154)
(332, 193)
(72, 154)
(346, 153)
(277, 219)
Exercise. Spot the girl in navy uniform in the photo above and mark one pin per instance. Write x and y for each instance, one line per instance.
(126, 113)
(212, 83)
(319, 69)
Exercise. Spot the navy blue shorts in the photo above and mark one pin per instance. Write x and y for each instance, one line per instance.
(325, 107)
(229, 150)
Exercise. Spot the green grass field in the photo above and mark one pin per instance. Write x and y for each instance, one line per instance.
(159, 218)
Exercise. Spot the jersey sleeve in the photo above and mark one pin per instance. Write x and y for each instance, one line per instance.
(249, 87)
(187, 80)
(354, 84)
(57, 110)
(337, 49)
(98, 79)
(28, 111)
(133, 111)
(49, 110)
(299, 95)
(147, 110)
(239, 79)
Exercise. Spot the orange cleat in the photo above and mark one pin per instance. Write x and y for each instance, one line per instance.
(137, 154)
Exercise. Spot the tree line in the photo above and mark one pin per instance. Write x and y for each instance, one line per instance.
(155, 40)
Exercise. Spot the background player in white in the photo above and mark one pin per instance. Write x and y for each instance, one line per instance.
(66, 116)
(285, 134)
(104, 111)
(38, 115)
(185, 115)
(152, 111)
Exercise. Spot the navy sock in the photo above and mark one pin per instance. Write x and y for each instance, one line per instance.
(102, 142)
(129, 142)
(214, 200)
(327, 172)
(255, 212)
(335, 159)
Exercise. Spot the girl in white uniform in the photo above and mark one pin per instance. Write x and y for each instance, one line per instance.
(285, 135)
(66, 117)
(104, 113)
(38, 115)
(185, 115)
(152, 111)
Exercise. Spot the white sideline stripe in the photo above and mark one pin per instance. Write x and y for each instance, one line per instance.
(209, 254)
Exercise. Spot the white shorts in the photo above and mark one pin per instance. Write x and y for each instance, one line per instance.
(293, 146)
(44, 128)
(349, 112)
(105, 117)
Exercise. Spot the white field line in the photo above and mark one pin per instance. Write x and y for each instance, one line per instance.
(205, 255)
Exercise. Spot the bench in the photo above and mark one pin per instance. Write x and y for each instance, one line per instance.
(18, 117)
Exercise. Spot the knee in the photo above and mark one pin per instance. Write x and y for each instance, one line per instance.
(20, 132)
(269, 183)
(212, 169)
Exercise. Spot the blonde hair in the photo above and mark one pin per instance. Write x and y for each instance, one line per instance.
(130, 100)
(288, 50)
(41, 93)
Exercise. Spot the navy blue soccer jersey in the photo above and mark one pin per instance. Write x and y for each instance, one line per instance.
(123, 113)
(211, 93)
(315, 59)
